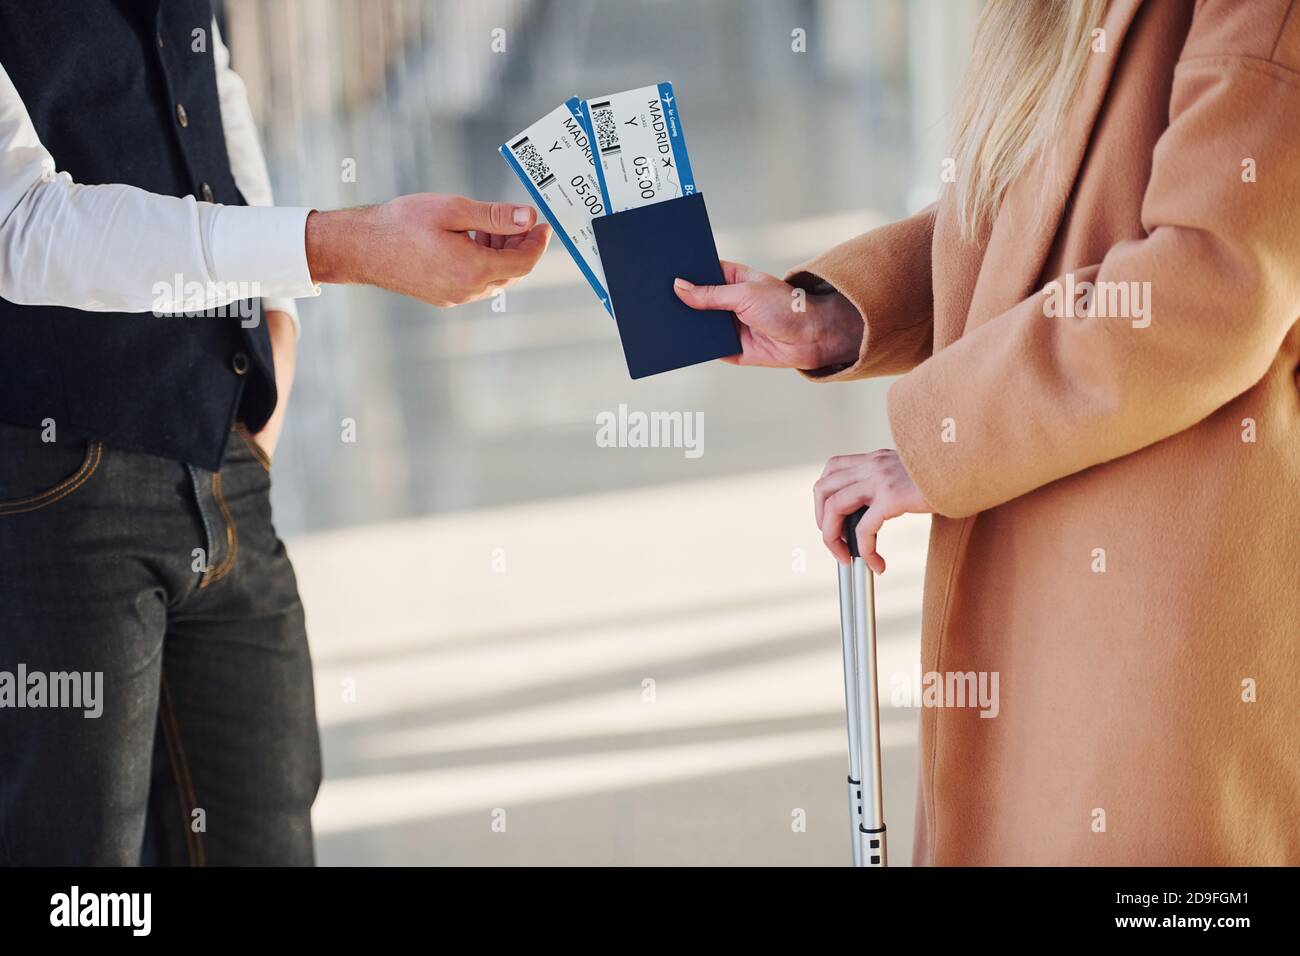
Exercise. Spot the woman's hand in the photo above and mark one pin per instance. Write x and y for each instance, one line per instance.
(877, 480)
(773, 332)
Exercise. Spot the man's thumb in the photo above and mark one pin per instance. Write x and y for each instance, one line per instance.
(498, 218)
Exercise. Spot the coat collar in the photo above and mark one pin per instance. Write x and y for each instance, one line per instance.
(1026, 226)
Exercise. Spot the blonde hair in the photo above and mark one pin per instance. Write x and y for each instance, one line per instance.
(1027, 63)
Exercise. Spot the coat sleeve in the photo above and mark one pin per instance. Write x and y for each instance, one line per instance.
(1026, 399)
(885, 273)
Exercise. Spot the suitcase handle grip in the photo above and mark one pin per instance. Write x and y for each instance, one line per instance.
(851, 530)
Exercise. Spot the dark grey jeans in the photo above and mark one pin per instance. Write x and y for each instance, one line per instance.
(168, 584)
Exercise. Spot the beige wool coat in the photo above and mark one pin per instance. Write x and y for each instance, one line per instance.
(1116, 530)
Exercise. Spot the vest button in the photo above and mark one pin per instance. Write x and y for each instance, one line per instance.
(240, 363)
(206, 192)
(182, 117)
(160, 41)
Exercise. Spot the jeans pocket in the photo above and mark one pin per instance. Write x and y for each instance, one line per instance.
(252, 447)
(34, 473)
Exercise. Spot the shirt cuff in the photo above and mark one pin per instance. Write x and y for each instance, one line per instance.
(265, 245)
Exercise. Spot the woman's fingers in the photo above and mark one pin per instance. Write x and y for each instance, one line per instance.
(773, 332)
(838, 472)
(848, 482)
(727, 298)
(732, 296)
(869, 527)
(838, 507)
(842, 504)
(826, 486)
(841, 462)
(735, 272)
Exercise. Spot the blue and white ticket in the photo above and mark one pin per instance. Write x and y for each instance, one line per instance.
(554, 161)
(640, 147)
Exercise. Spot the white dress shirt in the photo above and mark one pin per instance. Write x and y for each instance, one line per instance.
(116, 248)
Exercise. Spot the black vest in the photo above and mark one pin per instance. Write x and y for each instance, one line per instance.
(118, 94)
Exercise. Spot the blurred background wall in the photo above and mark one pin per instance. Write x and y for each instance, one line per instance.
(529, 648)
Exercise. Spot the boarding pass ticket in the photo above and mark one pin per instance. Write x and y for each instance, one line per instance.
(553, 158)
(640, 147)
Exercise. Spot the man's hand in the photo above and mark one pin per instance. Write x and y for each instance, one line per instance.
(772, 331)
(284, 348)
(421, 245)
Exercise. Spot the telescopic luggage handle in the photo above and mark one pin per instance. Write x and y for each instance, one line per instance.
(851, 530)
(862, 703)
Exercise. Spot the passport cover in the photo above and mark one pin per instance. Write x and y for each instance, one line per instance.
(642, 251)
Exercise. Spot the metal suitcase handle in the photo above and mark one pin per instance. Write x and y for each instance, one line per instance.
(862, 703)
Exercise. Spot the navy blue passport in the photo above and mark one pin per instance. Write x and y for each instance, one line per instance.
(642, 251)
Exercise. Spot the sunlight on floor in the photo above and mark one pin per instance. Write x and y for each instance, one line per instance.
(646, 676)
